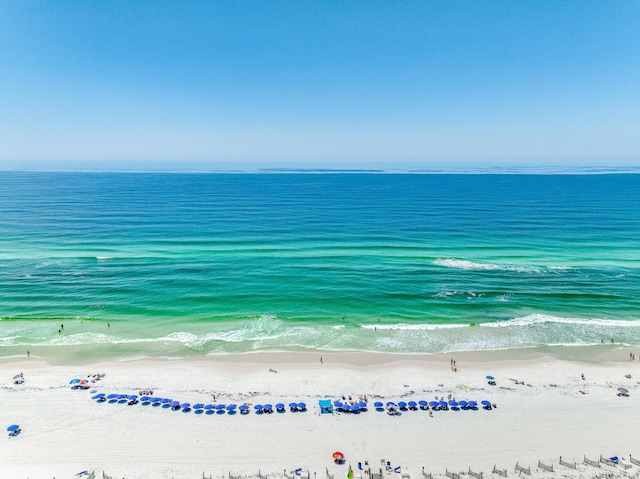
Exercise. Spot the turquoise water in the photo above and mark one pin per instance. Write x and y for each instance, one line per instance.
(173, 265)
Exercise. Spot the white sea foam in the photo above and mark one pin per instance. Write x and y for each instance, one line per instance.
(537, 319)
(476, 266)
(412, 327)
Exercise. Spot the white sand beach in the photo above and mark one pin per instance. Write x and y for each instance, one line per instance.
(544, 410)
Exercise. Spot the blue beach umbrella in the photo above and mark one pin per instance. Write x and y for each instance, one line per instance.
(362, 405)
(198, 406)
(258, 407)
(220, 407)
(402, 404)
(293, 405)
(355, 408)
(185, 405)
(122, 396)
(346, 407)
(244, 407)
(154, 400)
(231, 407)
(13, 427)
(74, 381)
(463, 403)
(165, 400)
(145, 398)
(485, 403)
(338, 404)
(490, 377)
(98, 396)
(302, 406)
(472, 404)
(412, 404)
(442, 403)
(133, 397)
(268, 407)
(208, 407)
(378, 404)
(391, 403)
(453, 403)
(112, 396)
(434, 403)
(175, 404)
(422, 402)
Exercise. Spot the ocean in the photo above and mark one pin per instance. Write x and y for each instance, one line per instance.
(135, 265)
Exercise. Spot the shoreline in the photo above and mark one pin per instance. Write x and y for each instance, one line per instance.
(554, 413)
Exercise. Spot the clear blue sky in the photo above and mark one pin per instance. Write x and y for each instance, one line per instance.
(477, 81)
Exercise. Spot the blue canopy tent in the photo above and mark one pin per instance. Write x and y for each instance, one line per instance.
(326, 407)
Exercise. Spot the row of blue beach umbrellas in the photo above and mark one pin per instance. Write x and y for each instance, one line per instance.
(435, 405)
(220, 408)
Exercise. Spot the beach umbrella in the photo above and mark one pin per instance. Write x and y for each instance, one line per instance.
(490, 377)
(377, 404)
(412, 404)
(133, 397)
(198, 406)
(472, 404)
(434, 403)
(209, 407)
(98, 396)
(122, 396)
(175, 404)
(231, 407)
(355, 408)
(346, 407)
(391, 404)
(422, 402)
(293, 405)
(623, 390)
(338, 404)
(338, 455)
(463, 403)
(485, 403)
(402, 404)
(268, 407)
(280, 405)
(73, 381)
(185, 405)
(165, 400)
(302, 405)
(18, 376)
(453, 403)
(112, 396)
(362, 405)
(244, 407)
(144, 398)
(154, 400)
(220, 407)
(13, 427)
(442, 403)
(258, 407)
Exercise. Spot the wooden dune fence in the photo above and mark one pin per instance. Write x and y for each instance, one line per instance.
(544, 467)
(500, 472)
(570, 465)
(590, 462)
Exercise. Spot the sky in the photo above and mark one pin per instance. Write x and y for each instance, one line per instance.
(321, 82)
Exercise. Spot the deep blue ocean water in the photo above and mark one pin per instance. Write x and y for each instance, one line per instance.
(172, 265)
